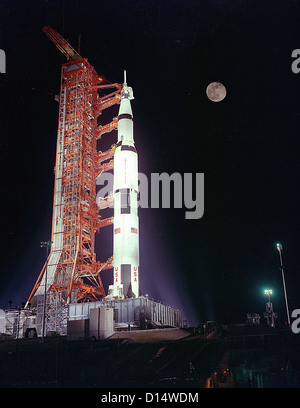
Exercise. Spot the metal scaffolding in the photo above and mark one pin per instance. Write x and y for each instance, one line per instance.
(71, 272)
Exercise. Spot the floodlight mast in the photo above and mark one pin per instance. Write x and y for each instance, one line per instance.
(269, 314)
(279, 248)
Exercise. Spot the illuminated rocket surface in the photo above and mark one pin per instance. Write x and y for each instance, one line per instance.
(125, 193)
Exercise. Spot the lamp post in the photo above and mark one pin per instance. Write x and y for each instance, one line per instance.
(47, 245)
(279, 248)
(268, 292)
(269, 314)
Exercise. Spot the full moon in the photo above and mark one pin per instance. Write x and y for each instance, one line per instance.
(216, 91)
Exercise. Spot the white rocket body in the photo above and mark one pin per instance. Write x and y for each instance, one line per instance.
(125, 192)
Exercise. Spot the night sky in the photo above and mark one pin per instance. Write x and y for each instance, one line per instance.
(247, 146)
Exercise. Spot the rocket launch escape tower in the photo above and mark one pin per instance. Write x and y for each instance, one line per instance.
(71, 274)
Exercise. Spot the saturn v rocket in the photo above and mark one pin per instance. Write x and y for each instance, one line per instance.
(125, 194)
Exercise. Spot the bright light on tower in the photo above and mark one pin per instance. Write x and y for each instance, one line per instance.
(269, 314)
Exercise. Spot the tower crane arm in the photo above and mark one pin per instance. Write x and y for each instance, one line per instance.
(69, 52)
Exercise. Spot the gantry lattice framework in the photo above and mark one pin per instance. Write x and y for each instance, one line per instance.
(71, 272)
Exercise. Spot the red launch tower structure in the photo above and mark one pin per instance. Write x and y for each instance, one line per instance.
(71, 272)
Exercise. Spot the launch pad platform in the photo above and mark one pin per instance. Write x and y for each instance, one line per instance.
(94, 319)
(118, 315)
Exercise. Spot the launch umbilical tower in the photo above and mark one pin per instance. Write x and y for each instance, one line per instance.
(71, 272)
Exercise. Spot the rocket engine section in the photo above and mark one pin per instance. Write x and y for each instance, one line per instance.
(125, 192)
